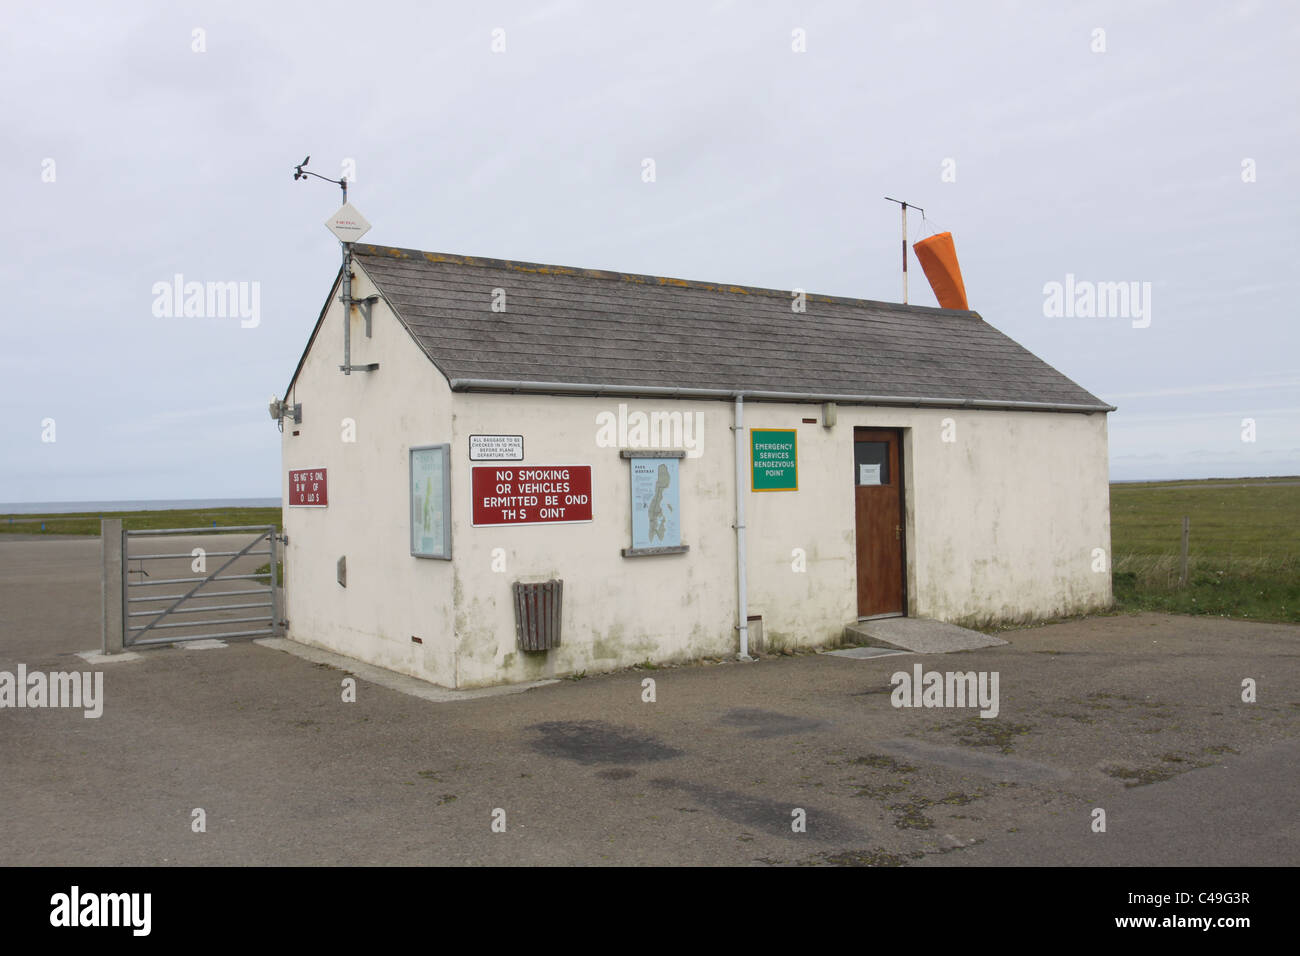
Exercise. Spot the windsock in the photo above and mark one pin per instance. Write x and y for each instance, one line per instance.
(938, 258)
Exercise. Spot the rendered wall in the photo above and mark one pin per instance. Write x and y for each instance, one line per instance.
(617, 611)
(1001, 522)
(390, 595)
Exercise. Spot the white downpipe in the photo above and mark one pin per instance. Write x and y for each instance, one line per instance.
(742, 607)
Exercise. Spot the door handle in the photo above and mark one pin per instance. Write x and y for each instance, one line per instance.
(898, 532)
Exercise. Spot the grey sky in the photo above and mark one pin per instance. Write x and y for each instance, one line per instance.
(771, 165)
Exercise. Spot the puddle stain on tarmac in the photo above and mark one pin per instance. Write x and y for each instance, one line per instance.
(596, 742)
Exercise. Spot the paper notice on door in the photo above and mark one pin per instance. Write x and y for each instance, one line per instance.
(869, 474)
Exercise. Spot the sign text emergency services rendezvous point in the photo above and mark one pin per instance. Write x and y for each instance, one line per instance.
(774, 459)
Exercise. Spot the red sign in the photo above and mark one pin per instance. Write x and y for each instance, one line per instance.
(532, 494)
(307, 488)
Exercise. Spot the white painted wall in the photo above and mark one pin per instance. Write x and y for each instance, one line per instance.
(617, 611)
(390, 596)
(1000, 524)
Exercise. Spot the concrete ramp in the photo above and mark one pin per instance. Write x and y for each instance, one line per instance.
(917, 634)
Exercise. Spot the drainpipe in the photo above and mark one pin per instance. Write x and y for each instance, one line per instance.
(742, 608)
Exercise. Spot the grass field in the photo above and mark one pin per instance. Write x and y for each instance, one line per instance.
(1243, 552)
(55, 524)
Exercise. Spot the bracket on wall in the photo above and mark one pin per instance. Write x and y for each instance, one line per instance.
(365, 305)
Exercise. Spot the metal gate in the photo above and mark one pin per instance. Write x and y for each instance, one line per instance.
(137, 614)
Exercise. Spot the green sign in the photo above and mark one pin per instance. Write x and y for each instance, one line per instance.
(774, 459)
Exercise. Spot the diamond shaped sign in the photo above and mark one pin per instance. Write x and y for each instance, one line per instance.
(348, 224)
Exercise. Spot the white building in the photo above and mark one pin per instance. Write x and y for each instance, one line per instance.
(889, 460)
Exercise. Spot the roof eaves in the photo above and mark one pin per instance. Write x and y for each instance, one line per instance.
(672, 391)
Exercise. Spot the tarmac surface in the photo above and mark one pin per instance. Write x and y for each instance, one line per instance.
(1141, 716)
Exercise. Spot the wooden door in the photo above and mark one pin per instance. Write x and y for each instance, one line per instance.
(878, 508)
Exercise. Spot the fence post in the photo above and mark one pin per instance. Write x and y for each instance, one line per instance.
(110, 539)
(1187, 525)
(273, 537)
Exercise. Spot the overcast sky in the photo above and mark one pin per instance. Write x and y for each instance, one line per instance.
(145, 140)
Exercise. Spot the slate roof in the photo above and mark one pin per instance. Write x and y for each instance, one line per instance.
(564, 326)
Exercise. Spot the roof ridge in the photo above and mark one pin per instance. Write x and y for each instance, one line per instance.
(540, 268)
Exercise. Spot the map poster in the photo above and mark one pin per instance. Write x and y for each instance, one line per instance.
(656, 503)
(430, 502)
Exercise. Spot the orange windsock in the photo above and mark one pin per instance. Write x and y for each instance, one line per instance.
(938, 257)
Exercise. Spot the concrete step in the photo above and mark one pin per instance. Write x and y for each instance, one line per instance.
(918, 634)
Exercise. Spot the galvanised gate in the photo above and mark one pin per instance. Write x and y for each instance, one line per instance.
(157, 593)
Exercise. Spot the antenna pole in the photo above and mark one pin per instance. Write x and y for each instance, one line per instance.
(904, 253)
(904, 210)
(347, 306)
(353, 230)
(347, 292)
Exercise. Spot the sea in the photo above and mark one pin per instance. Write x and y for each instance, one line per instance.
(160, 504)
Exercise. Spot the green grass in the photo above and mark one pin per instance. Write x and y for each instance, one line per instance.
(1243, 552)
(88, 523)
(265, 568)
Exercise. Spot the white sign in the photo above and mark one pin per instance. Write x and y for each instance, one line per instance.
(869, 474)
(348, 224)
(496, 447)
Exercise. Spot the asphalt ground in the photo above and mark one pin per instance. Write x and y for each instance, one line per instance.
(1140, 716)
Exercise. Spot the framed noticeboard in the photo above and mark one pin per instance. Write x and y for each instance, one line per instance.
(656, 502)
(430, 490)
